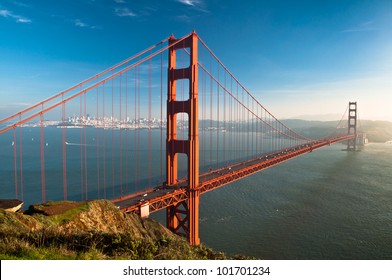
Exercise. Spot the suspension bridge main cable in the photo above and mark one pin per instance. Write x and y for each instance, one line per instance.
(101, 82)
(84, 82)
(250, 111)
(328, 135)
(242, 102)
(239, 83)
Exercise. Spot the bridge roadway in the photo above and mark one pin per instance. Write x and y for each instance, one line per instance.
(163, 196)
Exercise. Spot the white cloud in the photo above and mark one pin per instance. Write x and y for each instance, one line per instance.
(80, 23)
(189, 2)
(17, 18)
(23, 20)
(124, 12)
(120, 1)
(5, 13)
(197, 5)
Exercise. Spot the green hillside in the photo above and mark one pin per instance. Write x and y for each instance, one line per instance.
(90, 230)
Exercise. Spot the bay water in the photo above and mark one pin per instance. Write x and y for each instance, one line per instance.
(328, 204)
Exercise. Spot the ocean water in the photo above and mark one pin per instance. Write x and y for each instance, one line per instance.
(328, 204)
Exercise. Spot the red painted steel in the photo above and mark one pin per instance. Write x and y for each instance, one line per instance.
(218, 178)
(183, 218)
(352, 126)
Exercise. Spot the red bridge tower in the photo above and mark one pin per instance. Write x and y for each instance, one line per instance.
(352, 126)
(183, 218)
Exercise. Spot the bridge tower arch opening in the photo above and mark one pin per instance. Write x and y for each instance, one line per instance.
(352, 126)
(183, 217)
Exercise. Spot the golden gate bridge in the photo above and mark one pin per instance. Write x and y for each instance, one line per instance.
(153, 132)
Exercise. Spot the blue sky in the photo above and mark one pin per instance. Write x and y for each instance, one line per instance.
(296, 57)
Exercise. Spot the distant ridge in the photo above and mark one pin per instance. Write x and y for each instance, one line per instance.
(376, 131)
(320, 117)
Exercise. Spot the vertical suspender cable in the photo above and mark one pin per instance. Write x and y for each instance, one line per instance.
(217, 131)
(21, 159)
(15, 166)
(224, 122)
(126, 133)
(267, 146)
(255, 122)
(97, 142)
(104, 140)
(210, 129)
(203, 111)
(112, 124)
(243, 143)
(81, 148)
(231, 121)
(120, 124)
(85, 145)
(64, 147)
(248, 129)
(161, 119)
(135, 131)
(149, 122)
(237, 113)
(42, 147)
(138, 122)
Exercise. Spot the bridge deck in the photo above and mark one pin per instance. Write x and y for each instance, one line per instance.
(164, 196)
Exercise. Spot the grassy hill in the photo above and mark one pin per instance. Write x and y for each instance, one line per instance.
(90, 230)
